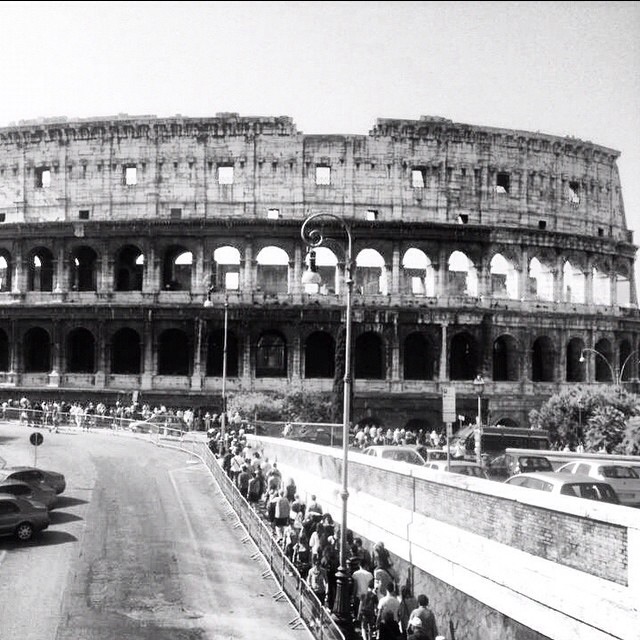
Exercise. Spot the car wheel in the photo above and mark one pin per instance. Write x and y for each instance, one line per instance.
(24, 531)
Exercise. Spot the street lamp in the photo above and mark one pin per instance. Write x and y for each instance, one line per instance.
(478, 383)
(616, 377)
(223, 417)
(313, 236)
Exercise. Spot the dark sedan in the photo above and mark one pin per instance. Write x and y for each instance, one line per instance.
(35, 477)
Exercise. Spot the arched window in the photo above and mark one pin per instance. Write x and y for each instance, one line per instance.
(174, 355)
(370, 273)
(271, 356)
(37, 351)
(418, 274)
(40, 276)
(601, 287)
(604, 363)
(464, 357)
(369, 357)
(573, 284)
(176, 270)
(543, 360)
(575, 368)
(319, 355)
(129, 269)
(419, 360)
(83, 269)
(5, 353)
(505, 359)
(504, 278)
(215, 353)
(5, 272)
(273, 270)
(463, 277)
(125, 352)
(540, 280)
(81, 351)
(226, 263)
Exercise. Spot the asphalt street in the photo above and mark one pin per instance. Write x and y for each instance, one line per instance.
(141, 547)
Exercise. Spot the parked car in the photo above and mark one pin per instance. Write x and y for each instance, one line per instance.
(158, 423)
(464, 467)
(510, 464)
(623, 478)
(35, 477)
(432, 454)
(40, 493)
(401, 453)
(22, 518)
(574, 485)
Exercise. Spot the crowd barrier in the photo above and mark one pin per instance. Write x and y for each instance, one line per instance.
(316, 617)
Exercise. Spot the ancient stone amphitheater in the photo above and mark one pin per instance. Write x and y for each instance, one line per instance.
(126, 242)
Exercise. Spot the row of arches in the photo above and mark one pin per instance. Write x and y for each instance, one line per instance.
(418, 274)
(177, 353)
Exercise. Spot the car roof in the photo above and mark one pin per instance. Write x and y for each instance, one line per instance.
(559, 478)
(10, 482)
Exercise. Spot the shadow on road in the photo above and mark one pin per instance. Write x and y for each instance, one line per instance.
(60, 517)
(68, 501)
(44, 539)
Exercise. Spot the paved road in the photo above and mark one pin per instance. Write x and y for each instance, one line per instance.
(139, 549)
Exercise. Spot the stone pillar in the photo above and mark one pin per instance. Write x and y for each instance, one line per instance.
(588, 288)
(296, 360)
(197, 272)
(196, 377)
(101, 357)
(147, 354)
(613, 287)
(524, 275)
(56, 356)
(150, 281)
(249, 275)
(443, 373)
(18, 278)
(395, 270)
(558, 280)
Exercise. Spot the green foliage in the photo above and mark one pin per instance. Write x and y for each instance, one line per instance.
(249, 405)
(631, 440)
(598, 418)
(304, 407)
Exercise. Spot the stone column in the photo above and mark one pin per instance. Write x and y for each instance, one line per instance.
(395, 270)
(524, 275)
(443, 373)
(18, 277)
(147, 354)
(56, 356)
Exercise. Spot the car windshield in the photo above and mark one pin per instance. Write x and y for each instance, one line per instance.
(535, 464)
(618, 471)
(403, 456)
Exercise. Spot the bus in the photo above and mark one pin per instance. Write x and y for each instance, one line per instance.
(495, 440)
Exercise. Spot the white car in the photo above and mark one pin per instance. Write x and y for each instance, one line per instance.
(622, 477)
(463, 467)
(402, 453)
(574, 485)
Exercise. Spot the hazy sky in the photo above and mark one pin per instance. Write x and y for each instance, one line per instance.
(564, 68)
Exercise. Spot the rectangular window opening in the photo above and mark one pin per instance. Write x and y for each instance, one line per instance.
(600, 232)
(502, 183)
(273, 214)
(130, 175)
(43, 177)
(232, 281)
(418, 178)
(175, 213)
(463, 218)
(83, 214)
(574, 193)
(371, 214)
(3, 217)
(225, 174)
(323, 175)
(542, 224)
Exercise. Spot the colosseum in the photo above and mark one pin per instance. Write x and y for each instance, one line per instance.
(131, 246)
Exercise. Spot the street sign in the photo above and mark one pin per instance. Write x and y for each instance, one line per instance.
(449, 403)
(36, 439)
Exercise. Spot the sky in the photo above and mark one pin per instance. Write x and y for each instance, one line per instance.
(562, 68)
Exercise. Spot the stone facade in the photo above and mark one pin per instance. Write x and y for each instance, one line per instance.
(125, 242)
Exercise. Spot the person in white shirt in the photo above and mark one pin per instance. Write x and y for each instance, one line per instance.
(361, 580)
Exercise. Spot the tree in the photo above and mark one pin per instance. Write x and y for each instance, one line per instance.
(304, 407)
(249, 405)
(600, 417)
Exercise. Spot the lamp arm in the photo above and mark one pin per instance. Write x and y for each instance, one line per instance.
(614, 377)
(313, 235)
(626, 360)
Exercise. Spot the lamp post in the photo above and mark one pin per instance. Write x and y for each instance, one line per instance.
(616, 376)
(313, 236)
(478, 383)
(223, 417)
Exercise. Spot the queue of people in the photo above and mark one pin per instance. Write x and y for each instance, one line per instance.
(310, 538)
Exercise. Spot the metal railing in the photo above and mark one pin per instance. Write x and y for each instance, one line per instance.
(315, 616)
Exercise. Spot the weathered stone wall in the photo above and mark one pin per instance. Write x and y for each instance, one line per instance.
(498, 562)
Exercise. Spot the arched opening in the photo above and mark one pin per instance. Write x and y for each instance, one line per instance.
(540, 280)
(371, 273)
(504, 278)
(176, 269)
(226, 265)
(129, 269)
(601, 287)
(5, 353)
(215, 354)
(462, 275)
(543, 360)
(273, 270)
(507, 422)
(174, 355)
(83, 269)
(573, 284)
(419, 357)
(5, 272)
(418, 274)
(326, 266)
(575, 368)
(628, 364)
(81, 351)
(464, 358)
(319, 355)
(623, 289)
(505, 359)
(40, 274)
(125, 352)
(271, 356)
(604, 363)
(37, 351)
(369, 357)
